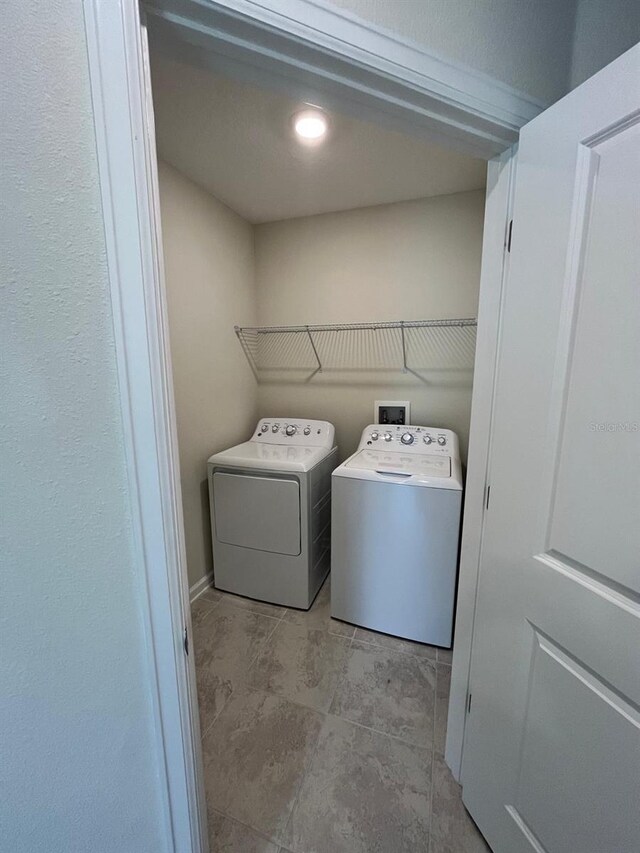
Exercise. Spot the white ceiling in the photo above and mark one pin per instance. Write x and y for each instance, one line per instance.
(235, 140)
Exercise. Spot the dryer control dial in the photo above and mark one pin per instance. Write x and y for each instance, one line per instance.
(407, 438)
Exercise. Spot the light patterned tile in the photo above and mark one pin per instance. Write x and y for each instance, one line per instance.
(211, 594)
(318, 617)
(226, 643)
(452, 830)
(443, 685)
(255, 757)
(302, 665)
(395, 644)
(201, 609)
(445, 656)
(228, 836)
(261, 607)
(390, 692)
(365, 792)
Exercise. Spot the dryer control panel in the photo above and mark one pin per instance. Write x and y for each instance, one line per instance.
(410, 439)
(302, 433)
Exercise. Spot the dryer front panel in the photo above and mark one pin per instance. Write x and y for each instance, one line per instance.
(262, 513)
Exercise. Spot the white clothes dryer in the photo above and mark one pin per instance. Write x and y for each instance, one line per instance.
(395, 533)
(270, 501)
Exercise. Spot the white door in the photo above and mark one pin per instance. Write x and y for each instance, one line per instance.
(552, 745)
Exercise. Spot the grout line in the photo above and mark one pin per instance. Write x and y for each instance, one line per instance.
(433, 660)
(376, 731)
(317, 710)
(214, 605)
(202, 599)
(259, 832)
(338, 717)
(210, 726)
(235, 606)
(306, 772)
(433, 758)
(340, 678)
(277, 621)
(261, 648)
(326, 714)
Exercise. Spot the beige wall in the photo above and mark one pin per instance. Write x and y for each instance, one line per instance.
(412, 260)
(209, 263)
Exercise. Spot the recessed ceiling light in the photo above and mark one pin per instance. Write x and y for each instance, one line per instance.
(310, 125)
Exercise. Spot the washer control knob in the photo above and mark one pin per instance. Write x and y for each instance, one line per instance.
(407, 438)
(387, 436)
(442, 440)
(375, 436)
(427, 439)
(307, 430)
(291, 430)
(265, 428)
(275, 428)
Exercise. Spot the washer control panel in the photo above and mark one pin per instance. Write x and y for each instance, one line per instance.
(412, 439)
(294, 432)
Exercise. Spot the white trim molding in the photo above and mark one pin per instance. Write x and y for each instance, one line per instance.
(119, 76)
(493, 278)
(201, 586)
(330, 51)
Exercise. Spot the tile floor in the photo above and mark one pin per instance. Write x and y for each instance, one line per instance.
(319, 737)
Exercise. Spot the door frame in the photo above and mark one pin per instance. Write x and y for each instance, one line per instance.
(498, 222)
(393, 81)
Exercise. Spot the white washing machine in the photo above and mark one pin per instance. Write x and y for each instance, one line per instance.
(270, 504)
(395, 533)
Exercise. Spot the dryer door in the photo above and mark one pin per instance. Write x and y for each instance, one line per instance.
(257, 512)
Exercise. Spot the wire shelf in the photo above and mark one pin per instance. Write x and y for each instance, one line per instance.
(408, 345)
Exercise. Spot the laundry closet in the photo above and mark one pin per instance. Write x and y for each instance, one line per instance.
(260, 230)
(322, 273)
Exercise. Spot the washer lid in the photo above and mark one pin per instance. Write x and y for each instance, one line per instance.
(408, 465)
(271, 457)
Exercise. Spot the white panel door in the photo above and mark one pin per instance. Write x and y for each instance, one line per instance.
(552, 745)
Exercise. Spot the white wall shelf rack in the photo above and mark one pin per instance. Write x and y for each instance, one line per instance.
(411, 346)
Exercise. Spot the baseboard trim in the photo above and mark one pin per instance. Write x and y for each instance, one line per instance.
(200, 586)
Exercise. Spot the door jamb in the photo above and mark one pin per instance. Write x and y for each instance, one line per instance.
(120, 86)
(125, 147)
(493, 279)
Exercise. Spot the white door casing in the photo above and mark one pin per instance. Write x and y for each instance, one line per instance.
(495, 265)
(552, 744)
(125, 147)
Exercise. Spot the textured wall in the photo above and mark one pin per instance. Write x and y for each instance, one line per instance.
(604, 30)
(78, 770)
(210, 278)
(524, 43)
(411, 260)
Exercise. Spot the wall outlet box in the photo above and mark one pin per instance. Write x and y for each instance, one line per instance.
(392, 412)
